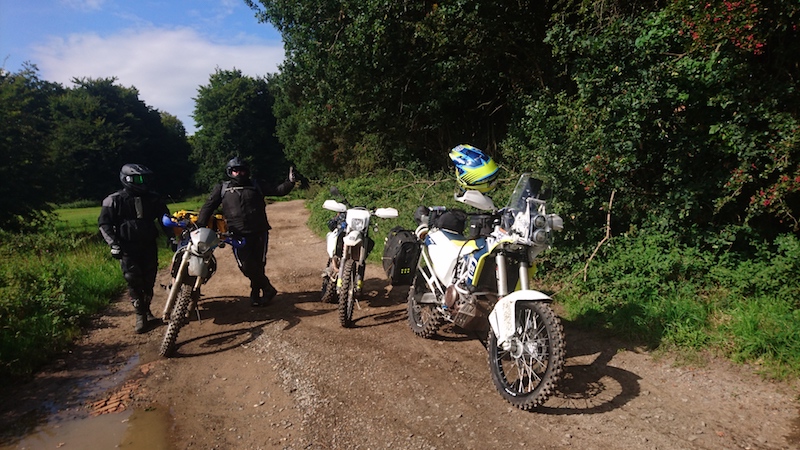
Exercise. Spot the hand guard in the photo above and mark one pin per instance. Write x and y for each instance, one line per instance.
(292, 174)
(116, 252)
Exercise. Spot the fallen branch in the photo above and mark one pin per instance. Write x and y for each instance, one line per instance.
(605, 239)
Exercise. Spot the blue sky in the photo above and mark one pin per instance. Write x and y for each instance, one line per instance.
(164, 48)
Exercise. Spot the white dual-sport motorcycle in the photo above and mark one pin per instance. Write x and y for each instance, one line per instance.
(348, 245)
(193, 264)
(483, 284)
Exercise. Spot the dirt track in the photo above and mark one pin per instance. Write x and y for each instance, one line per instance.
(289, 376)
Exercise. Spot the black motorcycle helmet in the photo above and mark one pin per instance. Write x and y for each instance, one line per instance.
(136, 178)
(237, 164)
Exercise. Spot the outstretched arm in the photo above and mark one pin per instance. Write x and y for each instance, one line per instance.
(282, 189)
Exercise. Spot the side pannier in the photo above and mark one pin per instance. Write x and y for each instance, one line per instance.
(400, 256)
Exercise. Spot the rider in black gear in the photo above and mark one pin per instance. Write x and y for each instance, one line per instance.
(244, 208)
(127, 223)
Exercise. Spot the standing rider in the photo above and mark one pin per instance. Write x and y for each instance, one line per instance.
(127, 223)
(244, 208)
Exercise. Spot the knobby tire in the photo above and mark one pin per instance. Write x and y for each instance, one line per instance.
(177, 319)
(347, 296)
(424, 319)
(527, 375)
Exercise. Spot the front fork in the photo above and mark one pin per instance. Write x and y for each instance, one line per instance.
(176, 284)
(502, 275)
(356, 253)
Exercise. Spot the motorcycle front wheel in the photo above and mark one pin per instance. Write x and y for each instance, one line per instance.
(347, 296)
(177, 318)
(328, 293)
(423, 318)
(526, 369)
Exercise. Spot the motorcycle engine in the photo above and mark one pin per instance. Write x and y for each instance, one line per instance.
(464, 309)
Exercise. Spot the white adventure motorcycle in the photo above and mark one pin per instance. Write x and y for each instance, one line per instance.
(193, 264)
(483, 283)
(348, 245)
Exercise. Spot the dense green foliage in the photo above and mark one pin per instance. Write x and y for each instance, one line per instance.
(367, 84)
(50, 283)
(689, 113)
(100, 125)
(650, 288)
(234, 113)
(703, 137)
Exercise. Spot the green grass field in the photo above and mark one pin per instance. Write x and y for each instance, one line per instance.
(85, 219)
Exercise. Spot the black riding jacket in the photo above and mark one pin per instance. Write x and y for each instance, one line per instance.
(129, 220)
(243, 204)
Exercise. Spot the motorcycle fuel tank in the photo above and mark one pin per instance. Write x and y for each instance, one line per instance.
(445, 249)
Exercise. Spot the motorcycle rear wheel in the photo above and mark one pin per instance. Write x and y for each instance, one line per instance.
(347, 296)
(527, 373)
(424, 319)
(178, 318)
(328, 293)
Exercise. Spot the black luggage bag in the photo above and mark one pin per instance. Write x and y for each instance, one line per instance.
(400, 256)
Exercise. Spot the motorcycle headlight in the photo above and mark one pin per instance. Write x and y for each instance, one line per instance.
(203, 247)
(539, 237)
(358, 224)
(539, 221)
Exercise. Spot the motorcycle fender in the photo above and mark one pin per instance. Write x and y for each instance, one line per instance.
(197, 267)
(352, 239)
(502, 316)
(330, 241)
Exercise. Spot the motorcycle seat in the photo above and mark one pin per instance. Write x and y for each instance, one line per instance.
(460, 241)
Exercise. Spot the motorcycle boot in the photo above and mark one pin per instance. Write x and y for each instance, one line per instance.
(268, 292)
(149, 315)
(255, 298)
(140, 312)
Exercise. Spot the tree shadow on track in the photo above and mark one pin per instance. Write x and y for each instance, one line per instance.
(590, 385)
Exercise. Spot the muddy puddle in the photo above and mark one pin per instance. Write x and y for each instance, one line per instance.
(132, 430)
(94, 412)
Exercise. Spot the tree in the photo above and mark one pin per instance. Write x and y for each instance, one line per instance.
(26, 167)
(234, 116)
(368, 84)
(99, 126)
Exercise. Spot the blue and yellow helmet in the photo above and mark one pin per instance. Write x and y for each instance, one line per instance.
(474, 169)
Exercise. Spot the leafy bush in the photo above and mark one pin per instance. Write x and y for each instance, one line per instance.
(50, 284)
(688, 134)
(649, 287)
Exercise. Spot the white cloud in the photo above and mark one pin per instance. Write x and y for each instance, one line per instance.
(165, 65)
(84, 5)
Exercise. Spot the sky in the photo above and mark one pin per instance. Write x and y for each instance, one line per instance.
(166, 49)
